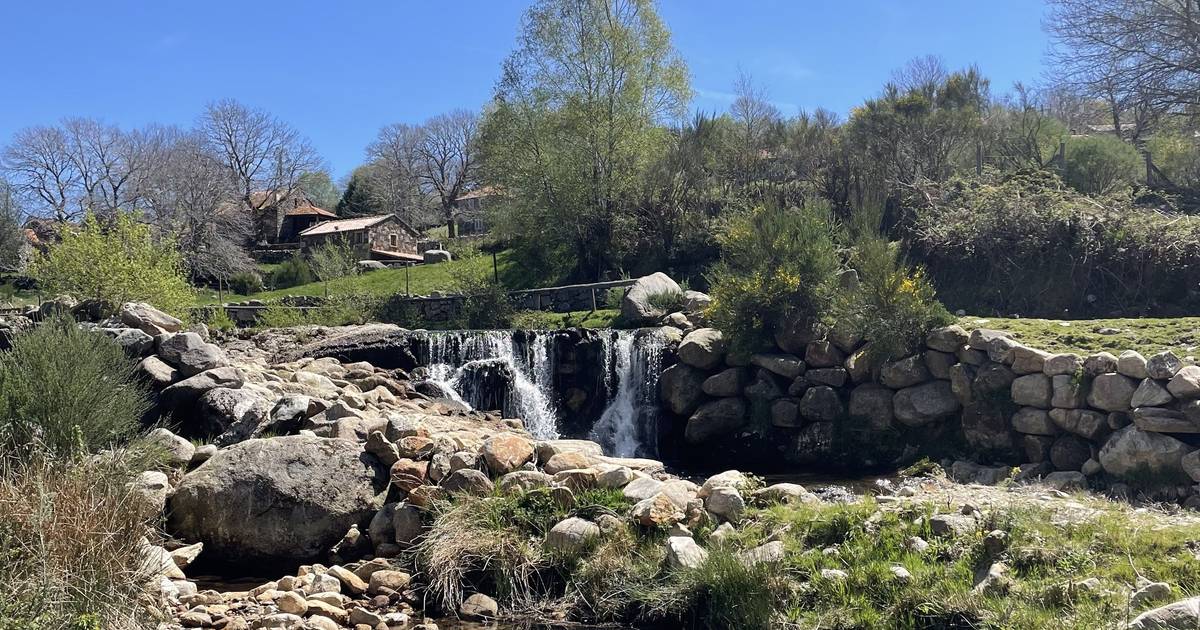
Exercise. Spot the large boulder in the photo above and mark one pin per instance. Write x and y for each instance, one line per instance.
(715, 418)
(436, 256)
(506, 452)
(1181, 615)
(905, 372)
(190, 354)
(682, 388)
(189, 390)
(384, 346)
(920, 405)
(1112, 392)
(285, 499)
(636, 306)
(148, 319)
(872, 405)
(1186, 383)
(1134, 451)
(728, 382)
(231, 414)
(703, 348)
(986, 428)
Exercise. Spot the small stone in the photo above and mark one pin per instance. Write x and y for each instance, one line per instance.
(1150, 592)
(684, 553)
(571, 536)
(479, 607)
(1132, 364)
(293, 603)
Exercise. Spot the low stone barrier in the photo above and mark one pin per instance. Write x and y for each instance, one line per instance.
(1075, 421)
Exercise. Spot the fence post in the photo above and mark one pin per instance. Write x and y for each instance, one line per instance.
(1149, 169)
(978, 158)
(593, 299)
(1062, 155)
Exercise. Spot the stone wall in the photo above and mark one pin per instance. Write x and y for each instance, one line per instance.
(818, 398)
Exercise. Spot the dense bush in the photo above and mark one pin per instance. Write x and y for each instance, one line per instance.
(1028, 245)
(68, 390)
(485, 303)
(892, 305)
(246, 283)
(291, 273)
(1099, 165)
(71, 556)
(776, 265)
(116, 261)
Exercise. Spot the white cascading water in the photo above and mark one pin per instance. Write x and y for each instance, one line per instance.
(628, 427)
(531, 392)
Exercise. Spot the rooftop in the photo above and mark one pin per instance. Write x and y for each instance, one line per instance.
(344, 225)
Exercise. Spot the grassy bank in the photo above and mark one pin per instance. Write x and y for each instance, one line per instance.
(1181, 335)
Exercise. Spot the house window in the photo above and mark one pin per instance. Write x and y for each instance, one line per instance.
(392, 240)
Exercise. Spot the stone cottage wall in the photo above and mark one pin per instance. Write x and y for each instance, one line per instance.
(1098, 420)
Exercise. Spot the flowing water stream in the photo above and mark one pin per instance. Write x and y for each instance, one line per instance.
(515, 371)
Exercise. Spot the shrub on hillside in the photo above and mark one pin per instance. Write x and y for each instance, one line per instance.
(115, 261)
(68, 390)
(291, 273)
(1098, 165)
(485, 302)
(1027, 244)
(70, 546)
(777, 265)
(246, 283)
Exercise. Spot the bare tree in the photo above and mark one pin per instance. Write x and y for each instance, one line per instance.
(39, 164)
(448, 159)
(392, 175)
(921, 74)
(260, 153)
(11, 239)
(1136, 54)
(756, 119)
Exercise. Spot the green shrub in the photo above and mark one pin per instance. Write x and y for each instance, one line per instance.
(293, 272)
(667, 301)
(277, 316)
(117, 261)
(332, 260)
(614, 296)
(1100, 164)
(70, 552)
(218, 319)
(776, 265)
(246, 283)
(68, 390)
(485, 303)
(1028, 245)
(892, 305)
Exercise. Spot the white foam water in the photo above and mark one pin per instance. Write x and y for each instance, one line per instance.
(629, 425)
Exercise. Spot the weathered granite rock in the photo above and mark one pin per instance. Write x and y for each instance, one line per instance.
(1034, 421)
(703, 348)
(1032, 390)
(1150, 393)
(922, 404)
(873, 404)
(1163, 365)
(148, 319)
(1111, 392)
(1070, 392)
(681, 387)
(715, 418)
(1185, 384)
(1082, 422)
(189, 353)
(947, 339)
(820, 404)
(725, 383)
(786, 365)
(636, 306)
(1132, 450)
(905, 372)
(1131, 363)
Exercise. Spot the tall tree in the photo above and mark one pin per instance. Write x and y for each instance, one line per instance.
(38, 163)
(261, 154)
(448, 159)
(578, 116)
(11, 239)
(319, 188)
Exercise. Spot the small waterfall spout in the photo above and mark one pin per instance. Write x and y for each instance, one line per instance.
(629, 425)
(470, 366)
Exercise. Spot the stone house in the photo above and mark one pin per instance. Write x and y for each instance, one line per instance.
(384, 237)
(472, 209)
(280, 219)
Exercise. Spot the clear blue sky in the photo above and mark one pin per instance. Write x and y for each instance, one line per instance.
(340, 70)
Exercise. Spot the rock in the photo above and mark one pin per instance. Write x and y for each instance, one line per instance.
(726, 382)
(1111, 392)
(1036, 447)
(715, 418)
(506, 452)
(571, 536)
(860, 364)
(820, 404)
(1181, 615)
(479, 607)
(186, 555)
(151, 489)
(1150, 393)
(991, 379)
(292, 603)
(526, 480)
(188, 391)
(833, 377)
(304, 493)
(387, 580)
(982, 338)
(1163, 365)
(232, 415)
(994, 582)
(770, 553)
(636, 306)
(408, 475)
(657, 511)
(1062, 364)
(1070, 392)
(786, 365)
(872, 404)
(614, 477)
(681, 387)
(1150, 592)
(1034, 421)
(793, 336)
(1132, 364)
(350, 582)
(822, 353)
(905, 372)
(986, 428)
(1082, 422)
(765, 387)
(1185, 384)
(135, 342)
(785, 413)
(642, 488)
(1100, 363)
(177, 451)
(939, 363)
(947, 339)
(922, 404)
(434, 256)
(468, 481)
(406, 524)
(1161, 420)
(1191, 465)
(785, 493)
(943, 525)
(157, 372)
(1028, 360)
(1070, 452)
(148, 319)
(962, 381)
(726, 502)
(1032, 390)
(703, 348)
(189, 353)
(1132, 450)
(576, 479)
(695, 301)
(684, 553)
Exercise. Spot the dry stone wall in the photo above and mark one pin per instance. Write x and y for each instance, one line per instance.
(819, 398)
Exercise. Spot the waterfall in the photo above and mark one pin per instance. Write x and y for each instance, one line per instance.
(456, 359)
(628, 427)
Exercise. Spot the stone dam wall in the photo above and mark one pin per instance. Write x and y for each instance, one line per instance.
(819, 399)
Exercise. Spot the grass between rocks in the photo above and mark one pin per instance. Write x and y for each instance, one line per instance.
(1064, 569)
(1180, 335)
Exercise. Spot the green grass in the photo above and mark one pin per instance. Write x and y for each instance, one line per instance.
(1181, 335)
(541, 320)
(422, 279)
